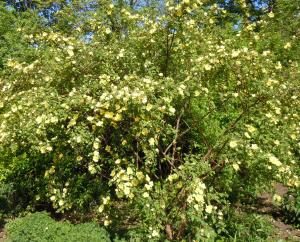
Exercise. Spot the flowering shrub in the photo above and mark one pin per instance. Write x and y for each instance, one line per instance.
(155, 120)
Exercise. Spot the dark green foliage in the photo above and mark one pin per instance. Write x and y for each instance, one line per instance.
(39, 227)
(247, 227)
(291, 207)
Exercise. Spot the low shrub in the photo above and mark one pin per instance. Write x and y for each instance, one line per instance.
(39, 227)
(291, 207)
(247, 227)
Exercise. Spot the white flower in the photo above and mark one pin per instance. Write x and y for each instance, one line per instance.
(271, 15)
(145, 194)
(172, 110)
(70, 52)
(54, 120)
(269, 115)
(149, 107)
(233, 144)
(236, 166)
(235, 53)
(207, 67)
(96, 156)
(90, 118)
(109, 115)
(189, 199)
(96, 145)
(43, 149)
(287, 45)
(209, 209)
(199, 197)
(251, 129)
(106, 200)
(107, 222)
(276, 142)
(144, 100)
(99, 123)
(277, 110)
(39, 119)
(92, 169)
(277, 198)
(155, 233)
(274, 160)
(149, 186)
(129, 171)
(78, 139)
(152, 141)
(254, 146)
(101, 208)
(247, 135)
(126, 190)
(14, 108)
(196, 207)
(121, 53)
(140, 175)
(278, 66)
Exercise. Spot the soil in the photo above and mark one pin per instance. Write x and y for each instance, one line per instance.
(2, 235)
(266, 206)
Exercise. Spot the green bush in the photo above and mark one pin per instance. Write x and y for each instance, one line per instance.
(246, 227)
(155, 119)
(39, 227)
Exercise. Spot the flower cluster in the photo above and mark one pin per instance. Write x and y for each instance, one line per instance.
(197, 196)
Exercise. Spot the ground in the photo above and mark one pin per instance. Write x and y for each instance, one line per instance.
(265, 206)
(2, 236)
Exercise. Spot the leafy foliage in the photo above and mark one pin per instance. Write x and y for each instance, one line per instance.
(249, 227)
(291, 206)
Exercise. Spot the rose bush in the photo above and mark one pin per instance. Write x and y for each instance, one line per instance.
(154, 119)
